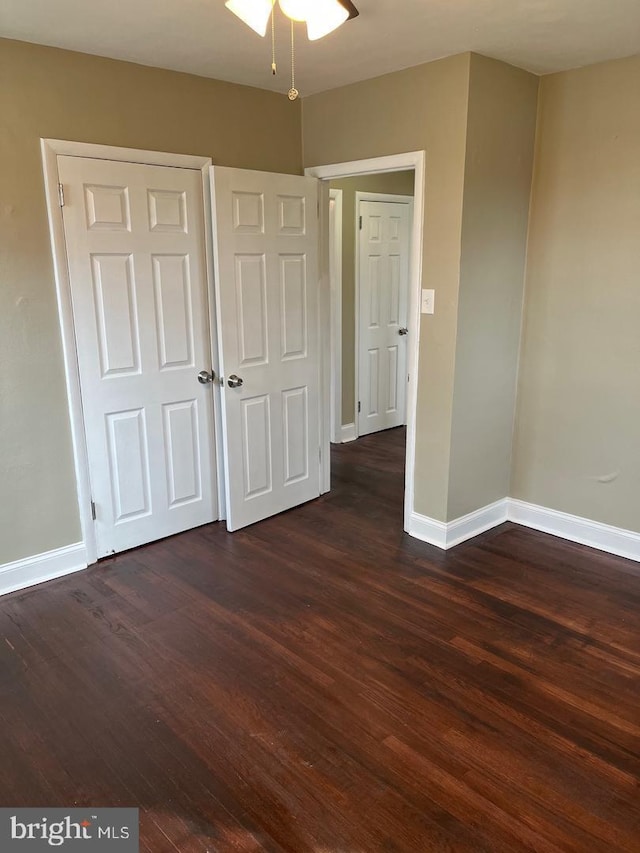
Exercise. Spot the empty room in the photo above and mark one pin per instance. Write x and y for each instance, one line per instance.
(319, 443)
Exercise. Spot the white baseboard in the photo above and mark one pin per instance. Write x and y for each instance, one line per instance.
(604, 537)
(447, 534)
(42, 567)
(614, 540)
(348, 433)
(476, 522)
(428, 530)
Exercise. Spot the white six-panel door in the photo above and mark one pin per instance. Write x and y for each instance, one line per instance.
(383, 247)
(135, 245)
(266, 259)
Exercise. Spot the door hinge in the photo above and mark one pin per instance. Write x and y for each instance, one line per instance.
(61, 194)
(93, 510)
(360, 223)
(320, 454)
(359, 406)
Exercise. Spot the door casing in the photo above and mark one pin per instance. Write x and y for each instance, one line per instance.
(50, 149)
(335, 331)
(392, 163)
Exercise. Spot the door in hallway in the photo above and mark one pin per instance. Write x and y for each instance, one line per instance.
(383, 296)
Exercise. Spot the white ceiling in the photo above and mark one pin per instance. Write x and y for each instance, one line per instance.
(202, 37)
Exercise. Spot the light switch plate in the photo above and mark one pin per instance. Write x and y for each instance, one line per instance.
(428, 301)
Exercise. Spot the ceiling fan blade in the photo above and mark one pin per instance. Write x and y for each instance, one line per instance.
(351, 9)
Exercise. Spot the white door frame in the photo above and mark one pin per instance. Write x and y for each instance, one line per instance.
(367, 196)
(335, 237)
(393, 163)
(50, 149)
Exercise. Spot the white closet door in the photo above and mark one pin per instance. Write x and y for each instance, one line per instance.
(266, 251)
(135, 244)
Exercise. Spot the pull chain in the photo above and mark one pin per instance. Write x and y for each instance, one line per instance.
(274, 67)
(293, 92)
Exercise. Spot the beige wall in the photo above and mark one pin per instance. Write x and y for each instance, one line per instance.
(578, 425)
(497, 186)
(422, 108)
(576, 440)
(396, 183)
(475, 119)
(46, 92)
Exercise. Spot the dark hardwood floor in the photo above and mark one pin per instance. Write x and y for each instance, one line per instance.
(322, 682)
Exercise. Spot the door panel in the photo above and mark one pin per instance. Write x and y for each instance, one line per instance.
(116, 317)
(296, 432)
(182, 450)
(173, 303)
(293, 305)
(129, 463)
(266, 245)
(135, 245)
(256, 422)
(392, 370)
(251, 301)
(382, 310)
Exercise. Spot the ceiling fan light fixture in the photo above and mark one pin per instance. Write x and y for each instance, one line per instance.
(321, 17)
(297, 10)
(254, 13)
(325, 17)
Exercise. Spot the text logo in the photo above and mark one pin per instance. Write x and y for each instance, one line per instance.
(36, 830)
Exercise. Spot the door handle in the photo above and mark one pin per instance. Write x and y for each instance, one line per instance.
(204, 377)
(403, 331)
(234, 381)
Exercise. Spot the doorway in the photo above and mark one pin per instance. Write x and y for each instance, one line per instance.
(342, 393)
(369, 258)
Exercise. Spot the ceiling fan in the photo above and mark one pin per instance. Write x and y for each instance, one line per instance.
(321, 17)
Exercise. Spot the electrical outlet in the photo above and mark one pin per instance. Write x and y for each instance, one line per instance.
(428, 301)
